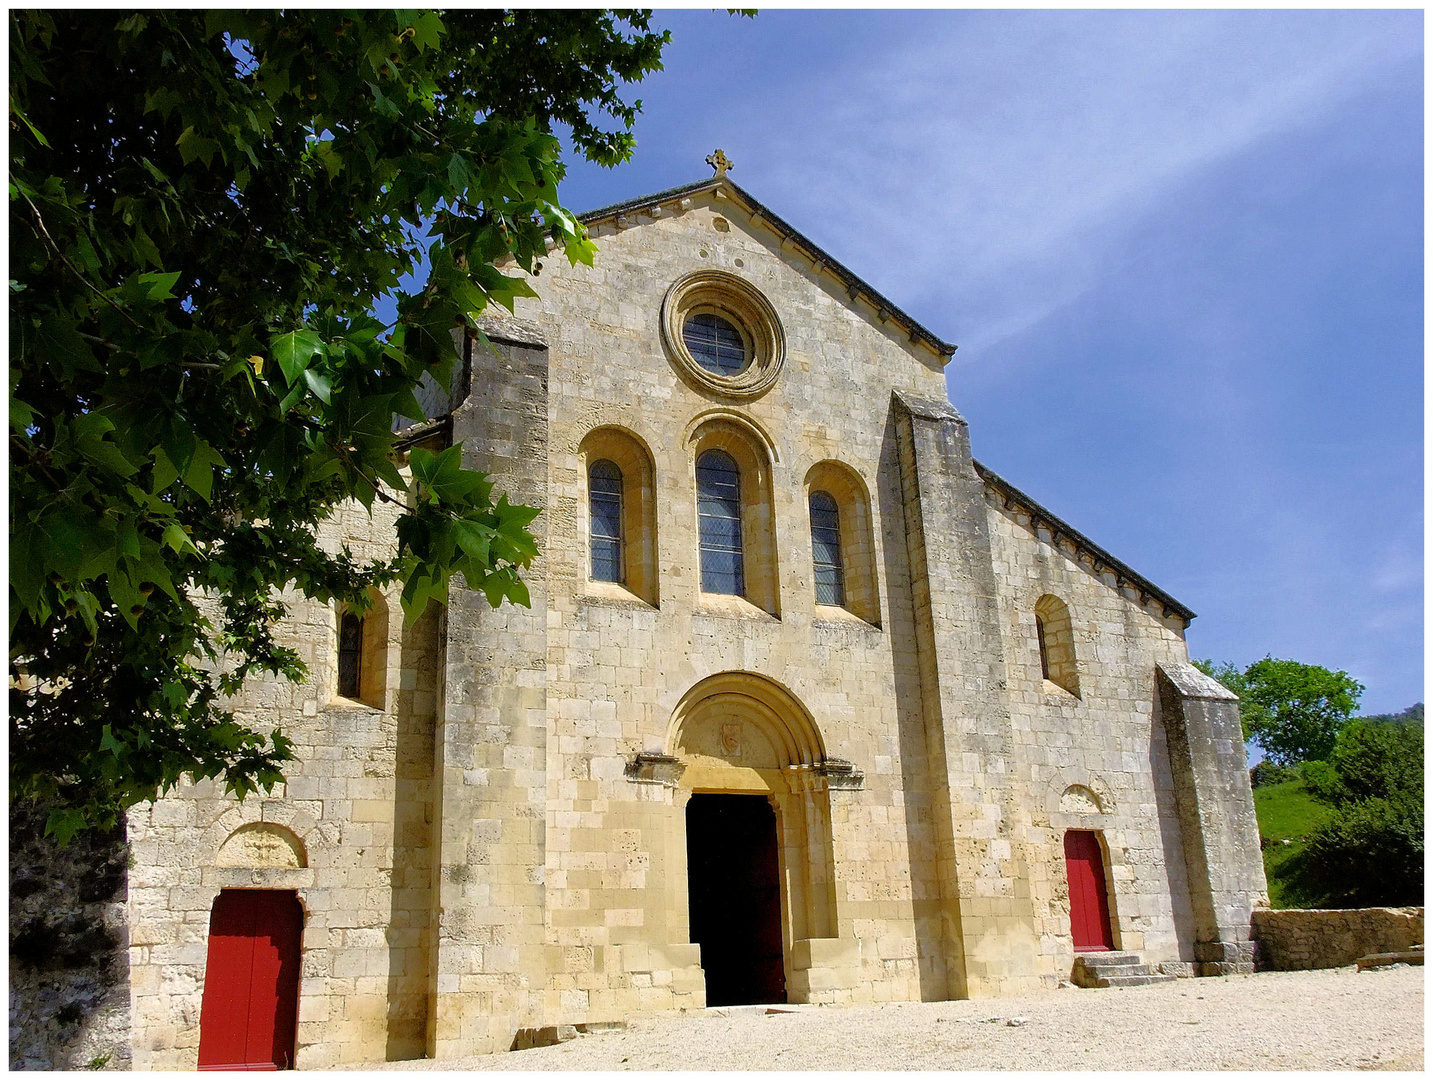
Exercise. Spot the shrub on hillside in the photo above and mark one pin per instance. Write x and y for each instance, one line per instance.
(1370, 851)
(1267, 774)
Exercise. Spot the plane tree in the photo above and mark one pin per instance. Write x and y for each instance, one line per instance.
(206, 210)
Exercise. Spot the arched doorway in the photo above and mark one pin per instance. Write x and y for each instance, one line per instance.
(1089, 900)
(758, 832)
(734, 898)
(249, 1016)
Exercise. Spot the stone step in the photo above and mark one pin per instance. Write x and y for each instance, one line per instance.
(1384, 959)
(1104, 969)
(1109, 959)
(1106, 981)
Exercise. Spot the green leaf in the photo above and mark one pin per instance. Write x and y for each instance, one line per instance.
(294, 351)
(176, 538)
(109, 742)
(63, 823)
(26, 121)
(157, 286)
(195, 146)
(322, 388)
(165, 472)
(199, 477)
(22, 417)
(474, 538)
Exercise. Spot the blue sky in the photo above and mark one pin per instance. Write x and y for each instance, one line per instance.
(1181, 252)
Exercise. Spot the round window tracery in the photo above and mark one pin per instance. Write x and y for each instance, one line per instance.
(715, 344)
(723, 334)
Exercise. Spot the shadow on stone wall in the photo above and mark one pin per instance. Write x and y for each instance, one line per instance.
(69, 957)
(916, 779)
(408, 930)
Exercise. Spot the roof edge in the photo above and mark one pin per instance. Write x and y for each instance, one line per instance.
(1124, 574)
(855, 286)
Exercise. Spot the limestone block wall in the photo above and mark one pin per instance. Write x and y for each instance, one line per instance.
(1105, 747)
(1296, 940)
(618, 665)
(494, 838)
(349, 832)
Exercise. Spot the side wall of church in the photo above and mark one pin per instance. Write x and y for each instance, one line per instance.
(1107, 742)
(349, 832)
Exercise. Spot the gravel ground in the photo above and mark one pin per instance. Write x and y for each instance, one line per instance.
(1336, 1019)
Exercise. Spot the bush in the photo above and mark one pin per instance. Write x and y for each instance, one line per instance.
(1379, 760)
(1322, 780)
(1267, 774)
(1369, 854)
(1370, 851)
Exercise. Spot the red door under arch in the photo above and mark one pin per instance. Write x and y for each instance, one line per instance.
(249, 1017)
(1089, 903)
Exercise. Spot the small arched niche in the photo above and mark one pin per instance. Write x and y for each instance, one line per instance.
(1055, 638)
(747, 449)
(615, 461)
(856, 532)
(262, 845)
(362, 668)
(1078, 799)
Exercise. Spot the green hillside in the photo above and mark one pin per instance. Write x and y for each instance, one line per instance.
(1286, 812)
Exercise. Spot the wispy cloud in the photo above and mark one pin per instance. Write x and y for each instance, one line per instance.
(1023, 140)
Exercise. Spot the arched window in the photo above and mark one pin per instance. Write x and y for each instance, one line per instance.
(719, 523)
(621, 547)
(1055, 634)
(363, 651)
(843, 546)
(604, 496)
(826, 549)
(350, 654)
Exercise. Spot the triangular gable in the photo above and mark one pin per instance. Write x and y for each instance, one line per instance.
(723, 186)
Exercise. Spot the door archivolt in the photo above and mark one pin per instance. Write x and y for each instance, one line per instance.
(742, 721)
(741, 733)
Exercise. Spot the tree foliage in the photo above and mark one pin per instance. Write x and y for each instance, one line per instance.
(1370, 851)
(1291, 711)
(204, 210)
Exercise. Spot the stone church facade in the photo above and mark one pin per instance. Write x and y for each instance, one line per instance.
(808, 706)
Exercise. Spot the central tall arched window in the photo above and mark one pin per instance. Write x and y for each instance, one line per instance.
(826, 549)
(719, 523)
(604, 492)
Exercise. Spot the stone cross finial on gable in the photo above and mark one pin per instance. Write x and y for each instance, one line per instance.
(719, 162)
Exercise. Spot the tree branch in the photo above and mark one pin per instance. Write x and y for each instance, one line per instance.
(40, 224)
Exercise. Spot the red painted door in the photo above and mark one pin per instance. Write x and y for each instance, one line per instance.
(1089, 903)
(251, 981)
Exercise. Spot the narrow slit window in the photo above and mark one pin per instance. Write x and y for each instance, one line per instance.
(350, 653)
(1044, 651)
(826, 550)
(604, 493)
(719, 523)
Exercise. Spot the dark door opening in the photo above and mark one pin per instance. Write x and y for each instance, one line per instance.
(249, 1016)
(734, 892)
(1089, 903)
